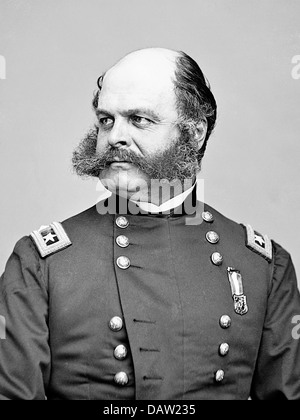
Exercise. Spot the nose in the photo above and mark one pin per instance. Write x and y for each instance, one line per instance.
(119, 135)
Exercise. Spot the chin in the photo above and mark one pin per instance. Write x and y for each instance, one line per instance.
(125, 183)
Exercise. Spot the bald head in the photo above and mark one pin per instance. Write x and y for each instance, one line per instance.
(151, 56)
(159, 63)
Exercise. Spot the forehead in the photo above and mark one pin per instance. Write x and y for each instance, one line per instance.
(139, 84)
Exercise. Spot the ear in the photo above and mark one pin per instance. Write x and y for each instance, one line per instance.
(200, 132)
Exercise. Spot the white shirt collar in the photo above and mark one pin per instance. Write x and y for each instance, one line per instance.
(166, 206)
(153, 208)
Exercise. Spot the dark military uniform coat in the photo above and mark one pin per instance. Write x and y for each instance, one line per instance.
(170, 300)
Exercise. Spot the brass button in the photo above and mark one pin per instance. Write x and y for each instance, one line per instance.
(224, 349)
(121, 378)
(207, 217)
(122, 241)
(123, 262)
(120, 352)
(220, 375)
(212, 237)
(116, 323)
(122, 222)
(217, 258)
(225, 321)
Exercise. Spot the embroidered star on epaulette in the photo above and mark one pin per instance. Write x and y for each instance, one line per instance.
(50, 239)
(260, 240)
(258, 243)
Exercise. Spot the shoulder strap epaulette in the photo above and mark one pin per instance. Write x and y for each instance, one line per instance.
(50, 239)
(259, 243)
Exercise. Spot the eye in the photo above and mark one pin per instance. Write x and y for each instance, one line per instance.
(141, 121)
(106, 122)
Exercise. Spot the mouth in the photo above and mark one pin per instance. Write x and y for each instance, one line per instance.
(119, 163)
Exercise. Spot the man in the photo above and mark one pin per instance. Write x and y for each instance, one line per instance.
(160, 300)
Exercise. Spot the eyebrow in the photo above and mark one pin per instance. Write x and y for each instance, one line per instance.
(134, 111)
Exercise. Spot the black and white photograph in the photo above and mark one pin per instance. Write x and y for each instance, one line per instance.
(150, 202)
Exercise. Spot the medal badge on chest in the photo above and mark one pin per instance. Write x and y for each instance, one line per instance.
(236, 283)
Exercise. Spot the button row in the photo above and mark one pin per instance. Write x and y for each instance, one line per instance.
(225, 320)
(213, 238)
(225, 323)
(120, 352)
(122, 241)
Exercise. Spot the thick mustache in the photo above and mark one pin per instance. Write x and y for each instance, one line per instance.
(120, 155)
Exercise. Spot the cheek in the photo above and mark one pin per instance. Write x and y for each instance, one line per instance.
(101, 142)
(161, 139)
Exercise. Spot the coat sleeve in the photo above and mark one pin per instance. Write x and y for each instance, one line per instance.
(24, 348)
(277, 373)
